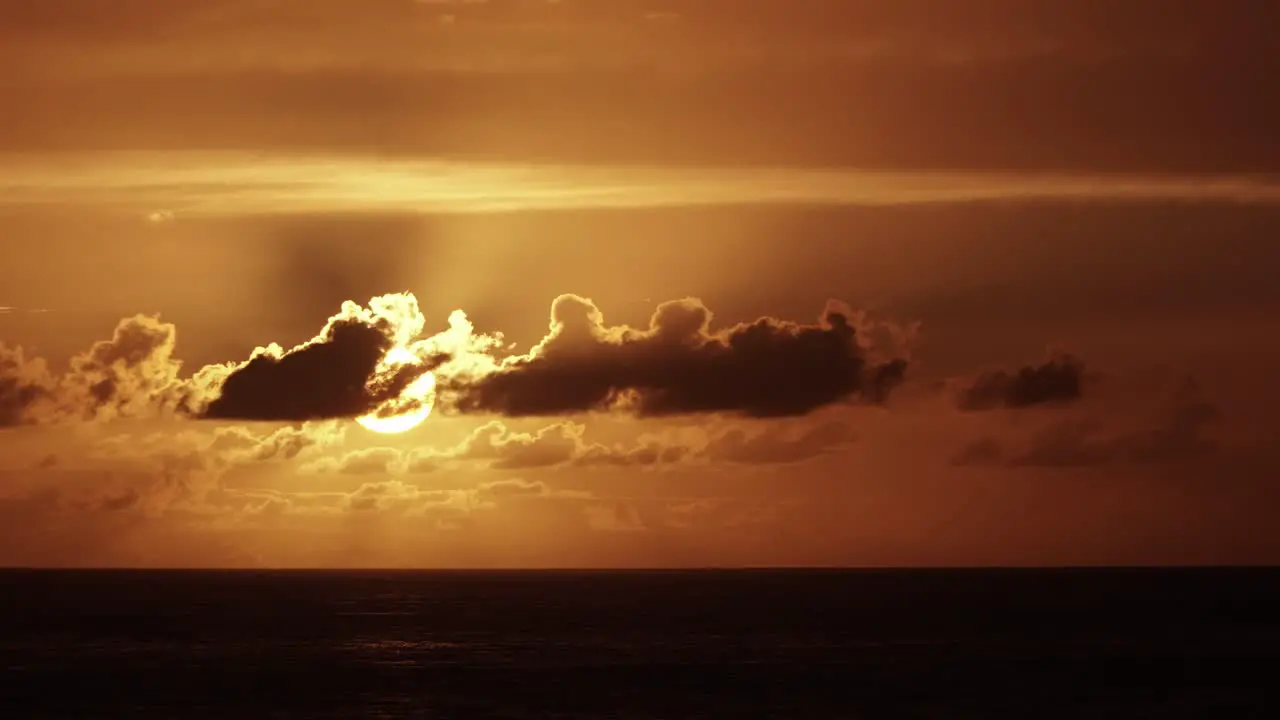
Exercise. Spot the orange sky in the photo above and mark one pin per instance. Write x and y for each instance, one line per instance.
(803, 283)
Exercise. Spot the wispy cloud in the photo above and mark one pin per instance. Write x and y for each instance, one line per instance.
(11, 310)
(233, 183)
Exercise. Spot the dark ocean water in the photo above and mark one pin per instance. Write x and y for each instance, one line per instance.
(698, 644)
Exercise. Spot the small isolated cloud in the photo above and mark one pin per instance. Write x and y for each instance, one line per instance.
(1058, 380)
(1180, 432)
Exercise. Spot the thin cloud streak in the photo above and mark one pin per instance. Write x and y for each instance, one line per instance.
(202, 184)
(11, 310)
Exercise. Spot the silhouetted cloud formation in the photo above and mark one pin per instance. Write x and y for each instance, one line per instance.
(680, 365)
(339, 374)
(365, 357)
(1059, 380)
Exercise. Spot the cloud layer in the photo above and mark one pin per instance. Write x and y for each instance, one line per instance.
(495, 446)
(364, 357)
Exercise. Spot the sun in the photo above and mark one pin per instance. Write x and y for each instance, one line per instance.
(419, 397)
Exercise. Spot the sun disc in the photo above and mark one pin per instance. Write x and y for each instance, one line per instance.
(423, 390)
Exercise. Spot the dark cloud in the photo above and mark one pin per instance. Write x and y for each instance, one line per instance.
(1059, 380)
(679, 365)
(1180, 433)
(335, 375)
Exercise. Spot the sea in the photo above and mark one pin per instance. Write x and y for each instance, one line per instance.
(848, 644)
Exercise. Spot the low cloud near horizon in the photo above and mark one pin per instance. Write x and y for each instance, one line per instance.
(682, 425)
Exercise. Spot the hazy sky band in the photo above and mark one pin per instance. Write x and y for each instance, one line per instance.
(1121, 85)
(220, 184)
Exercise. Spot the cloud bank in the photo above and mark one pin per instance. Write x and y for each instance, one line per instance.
(494, 446)
(364, 357)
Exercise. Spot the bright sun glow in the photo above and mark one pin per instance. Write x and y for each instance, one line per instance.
(422, 391)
